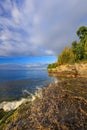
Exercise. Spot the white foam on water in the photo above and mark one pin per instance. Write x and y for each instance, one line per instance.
(7, 106)
(12, 105)
(26, 91)
(38, 92)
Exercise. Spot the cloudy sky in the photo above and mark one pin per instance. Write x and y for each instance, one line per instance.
(37, 30)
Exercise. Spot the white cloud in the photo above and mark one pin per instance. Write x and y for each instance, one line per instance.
(6, 66)
(16, 14)
(39, 27)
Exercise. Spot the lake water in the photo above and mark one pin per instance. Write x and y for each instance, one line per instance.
(15, 84)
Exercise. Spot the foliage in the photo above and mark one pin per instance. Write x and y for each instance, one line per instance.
(66, 56)
(85, 50)
(76, 53)
(82, 33)
(54, 65)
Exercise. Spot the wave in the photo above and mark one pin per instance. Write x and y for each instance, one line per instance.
(12, 105)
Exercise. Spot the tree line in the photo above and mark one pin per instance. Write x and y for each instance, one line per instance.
(77, 52)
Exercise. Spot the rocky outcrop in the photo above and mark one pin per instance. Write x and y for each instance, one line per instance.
(74, 70)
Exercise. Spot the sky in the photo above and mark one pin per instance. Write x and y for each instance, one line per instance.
(36, 31)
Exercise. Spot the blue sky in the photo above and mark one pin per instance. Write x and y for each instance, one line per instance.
(25, 60)
(36, 31)
(25, 63)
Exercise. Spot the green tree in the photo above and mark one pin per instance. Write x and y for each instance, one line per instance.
(66, 56)
(74, 48)
(78, 50)
(82, 33)
(85, 51)
(53, 65)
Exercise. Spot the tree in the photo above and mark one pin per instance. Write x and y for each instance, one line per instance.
(66, 56)
(82, 33)
(78, 50)
(85, 51)
(53, 65)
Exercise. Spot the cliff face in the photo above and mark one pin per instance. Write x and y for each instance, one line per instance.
(75, 70)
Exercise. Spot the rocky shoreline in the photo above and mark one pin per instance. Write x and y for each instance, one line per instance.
(62, 106)
(73, 70)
